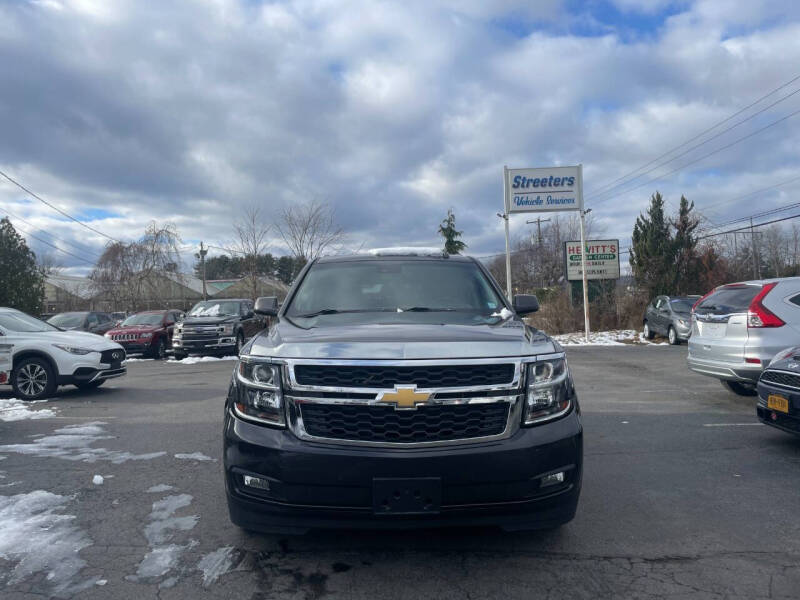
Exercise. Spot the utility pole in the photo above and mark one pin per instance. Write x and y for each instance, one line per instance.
(538, 221)
(203, 252)
(753, 249)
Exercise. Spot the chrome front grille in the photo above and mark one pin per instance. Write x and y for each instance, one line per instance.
(123, 337)
(782, 378)
(351, 402)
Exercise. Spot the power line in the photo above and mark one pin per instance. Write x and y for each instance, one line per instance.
(603, 188)
(766, 189)
(747, 228)
(88, 262)
(55, 208)
(85, 249)
(741, 139)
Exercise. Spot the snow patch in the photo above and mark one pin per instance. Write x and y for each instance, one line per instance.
(12, 409)
(193, 360)
(97, 480)
(73, 443)
(215, 564)
(130, 360)
(195, 456)
(615, 337)
(503, 314)
(161, 487)
(38, 537)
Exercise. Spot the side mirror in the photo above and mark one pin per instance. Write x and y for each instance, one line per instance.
(267, 305)
(525, 304)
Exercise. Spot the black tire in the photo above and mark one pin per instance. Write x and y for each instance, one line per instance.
(740, 389)
(179, 355)
(160, 351)
(239, 342)
(648, 334)
(672, 336)
(33, 379)
(90, 385)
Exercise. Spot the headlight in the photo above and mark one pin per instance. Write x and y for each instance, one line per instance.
(226, 329)
(73, 349)
(548, 394)
(682, 323)
(783, 354)
(145, 336)
(258, 394)
(107, 335)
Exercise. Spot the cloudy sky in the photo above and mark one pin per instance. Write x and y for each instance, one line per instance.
(125, 112)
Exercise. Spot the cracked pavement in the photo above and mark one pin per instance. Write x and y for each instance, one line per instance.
(684, 496)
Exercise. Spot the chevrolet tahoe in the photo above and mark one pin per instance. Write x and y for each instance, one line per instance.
(401, 390)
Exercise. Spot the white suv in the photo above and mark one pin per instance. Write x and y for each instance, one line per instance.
(44, 357)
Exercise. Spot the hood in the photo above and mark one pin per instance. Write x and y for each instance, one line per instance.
(134, 329)
(209, 320)
(73, 338)
(787, 360)
(402, 341)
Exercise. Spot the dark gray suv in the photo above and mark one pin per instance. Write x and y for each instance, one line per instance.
(670, 316)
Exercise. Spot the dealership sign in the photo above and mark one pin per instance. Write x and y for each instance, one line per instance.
(547, 189)
(602, 259)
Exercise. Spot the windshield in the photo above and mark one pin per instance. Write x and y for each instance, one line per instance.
(728, 300)
(22, 323)
(144, 319)
(394, 286)
(67, 320)
(681, 305)
(214, 309)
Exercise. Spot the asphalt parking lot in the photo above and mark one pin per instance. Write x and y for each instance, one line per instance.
(684, 495)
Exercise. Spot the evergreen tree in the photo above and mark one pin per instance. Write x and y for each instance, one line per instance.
(21, 281)
(652, 255)
(687, 263)
(452, 245)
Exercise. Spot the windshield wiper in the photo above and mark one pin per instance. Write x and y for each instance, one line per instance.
(324, 311)
(426, 309)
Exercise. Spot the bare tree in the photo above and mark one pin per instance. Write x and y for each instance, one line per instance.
(251, 243)
(309, 228)
(49, 264)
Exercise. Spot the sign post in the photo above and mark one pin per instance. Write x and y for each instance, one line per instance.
(547, 189)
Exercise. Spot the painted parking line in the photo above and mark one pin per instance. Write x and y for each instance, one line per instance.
(730, 424)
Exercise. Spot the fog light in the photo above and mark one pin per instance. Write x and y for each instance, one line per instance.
(553, 479)
(256, 482)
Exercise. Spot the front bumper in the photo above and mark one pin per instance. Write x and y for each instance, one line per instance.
(789, 422)
(314, 485)
(215, 345)
(742, 372)
(89, 374)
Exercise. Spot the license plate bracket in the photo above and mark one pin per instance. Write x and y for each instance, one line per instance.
(777, 402)
(415, 496)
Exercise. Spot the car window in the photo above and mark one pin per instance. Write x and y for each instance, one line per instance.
(729, 299)
(795, 300)
(103, 317)
(92, 319)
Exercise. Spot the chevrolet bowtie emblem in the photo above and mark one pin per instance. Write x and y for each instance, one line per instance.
(405, 397)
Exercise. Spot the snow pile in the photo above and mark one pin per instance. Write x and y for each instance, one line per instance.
(132, 360)
(163, 557)
(161, 487)
(12, 409)
(38, 537)
(195, 456)
(193, 360)
(97, 480)
(615, 337)
(215, 564)
(73, 442)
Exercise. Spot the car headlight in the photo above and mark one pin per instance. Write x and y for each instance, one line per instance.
(783, 354)
(682, 323)
(74, 349)
(258, 394)
(226, 329)
(145, 336)
(107, 335)
(548, 395)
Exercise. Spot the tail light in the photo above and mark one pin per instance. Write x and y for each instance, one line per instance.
(759, 315)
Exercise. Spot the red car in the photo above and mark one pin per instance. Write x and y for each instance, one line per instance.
(148, 333)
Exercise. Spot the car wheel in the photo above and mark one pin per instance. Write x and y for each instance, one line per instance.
(239, 343)
(740, 389)
(90, 385)
(672, 336)
(33, 379)
(646, 331)
(179, 355)
(161, 350)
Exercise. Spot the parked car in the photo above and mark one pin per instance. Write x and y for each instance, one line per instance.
(738, 328)
(779, 392)
(149, 332)
(44, 356)
(400, 391)
(216, 327)
(5, 362)
(670, 316)
(93, 322)
(118, 317)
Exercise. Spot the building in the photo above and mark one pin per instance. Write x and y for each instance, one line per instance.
(65, 292)
(243, 288)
